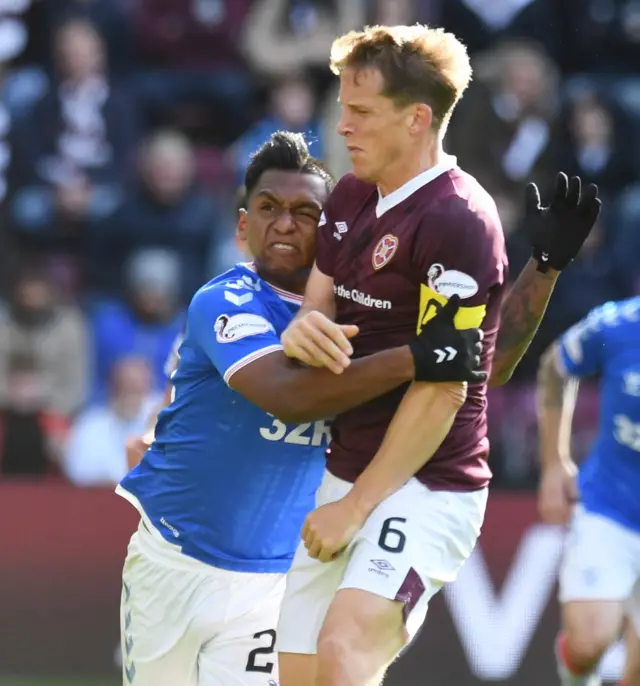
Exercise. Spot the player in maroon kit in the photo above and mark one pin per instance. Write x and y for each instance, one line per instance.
(404, 494)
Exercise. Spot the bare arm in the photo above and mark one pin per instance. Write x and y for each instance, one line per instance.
(557, 395)
(318, 295)
(294, 393)
(422, 421)
(522, 312)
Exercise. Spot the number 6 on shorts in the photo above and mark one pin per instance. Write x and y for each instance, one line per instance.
(392, 540)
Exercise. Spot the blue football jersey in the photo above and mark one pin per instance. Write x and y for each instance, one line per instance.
(607, 344)
(224, 480)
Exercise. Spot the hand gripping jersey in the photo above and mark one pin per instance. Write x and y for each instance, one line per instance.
(224, 480)
(394, 261)
(607, 343)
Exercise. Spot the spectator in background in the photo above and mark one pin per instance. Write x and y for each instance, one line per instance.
(109, 17)
(31, 434)
(95, 454)
(145, 325)
(602, 36)
(596, 145)
(514, 95)
(190, 55)
(292, 108)
(165, 209)
(282, 36)
(38, 324)
(74, 146)
(481, 24)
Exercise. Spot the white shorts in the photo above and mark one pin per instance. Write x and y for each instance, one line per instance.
(413, 543)
(601, 562)
(185, 623)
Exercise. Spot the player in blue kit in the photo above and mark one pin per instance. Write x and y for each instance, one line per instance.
(239, 452)
(600, 574)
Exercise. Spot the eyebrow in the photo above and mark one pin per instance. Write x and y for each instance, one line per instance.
(305, 204)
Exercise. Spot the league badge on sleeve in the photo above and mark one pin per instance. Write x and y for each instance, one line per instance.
(384, 251)
(232, 328)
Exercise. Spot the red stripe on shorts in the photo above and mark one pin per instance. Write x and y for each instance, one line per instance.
(410, 592)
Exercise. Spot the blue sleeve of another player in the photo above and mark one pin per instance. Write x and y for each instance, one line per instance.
(582, 347)
(232, 327)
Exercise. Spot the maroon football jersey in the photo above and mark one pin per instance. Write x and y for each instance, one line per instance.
(395, 261)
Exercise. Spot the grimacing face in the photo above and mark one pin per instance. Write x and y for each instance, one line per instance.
(377, 133)
(280, 223)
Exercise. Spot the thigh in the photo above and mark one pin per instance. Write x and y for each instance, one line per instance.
(311, 586)
(242, 653)
(598, 562)
(158, 647)
(414, 542)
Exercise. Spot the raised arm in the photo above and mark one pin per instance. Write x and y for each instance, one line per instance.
(521, 314)
(557, 232)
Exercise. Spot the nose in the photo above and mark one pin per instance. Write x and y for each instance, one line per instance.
(284, 222)
(344, 127)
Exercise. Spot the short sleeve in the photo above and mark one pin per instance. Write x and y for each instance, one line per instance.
(461, 252)
(232, 327)
(581, 348)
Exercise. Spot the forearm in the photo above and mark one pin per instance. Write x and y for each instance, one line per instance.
(556, 403)
(522, 312)
(421, 423)
(295, 393)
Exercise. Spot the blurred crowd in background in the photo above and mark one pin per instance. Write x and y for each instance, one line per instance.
(125, 129)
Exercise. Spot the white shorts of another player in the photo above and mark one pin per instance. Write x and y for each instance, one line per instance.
(187, 623)
(412, 544)
(601, 562)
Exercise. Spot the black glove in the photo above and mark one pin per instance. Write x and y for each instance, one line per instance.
(558, 231)
(443, 353)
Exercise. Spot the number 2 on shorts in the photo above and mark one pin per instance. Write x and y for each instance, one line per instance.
(267, 667)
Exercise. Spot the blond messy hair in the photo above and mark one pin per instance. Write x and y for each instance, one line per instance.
(418, 64)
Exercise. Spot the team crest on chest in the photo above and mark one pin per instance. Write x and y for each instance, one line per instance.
(384, 251)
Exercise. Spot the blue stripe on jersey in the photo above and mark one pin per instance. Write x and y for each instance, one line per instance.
(224, 480)
(607, 343)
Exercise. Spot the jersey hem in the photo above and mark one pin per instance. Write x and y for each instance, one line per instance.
(245, 567)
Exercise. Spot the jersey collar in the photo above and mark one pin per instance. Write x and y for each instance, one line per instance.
(387, 202)
(287, 296)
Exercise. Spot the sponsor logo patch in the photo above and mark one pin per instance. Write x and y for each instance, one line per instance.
(361, 298)
(237, 326)
(448, 282)
(341, 228)
(384, 251)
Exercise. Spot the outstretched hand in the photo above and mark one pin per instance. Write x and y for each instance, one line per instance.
(559, 230)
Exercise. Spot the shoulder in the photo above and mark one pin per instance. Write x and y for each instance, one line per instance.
(347, 192)
(465, 207)
(612, 317)
(238, 289)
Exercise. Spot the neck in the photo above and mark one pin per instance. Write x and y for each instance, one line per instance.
(293, 283)
(405, 169)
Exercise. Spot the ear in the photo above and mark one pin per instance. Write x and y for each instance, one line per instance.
(241, 233)
(421, 118)
(241, 227)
